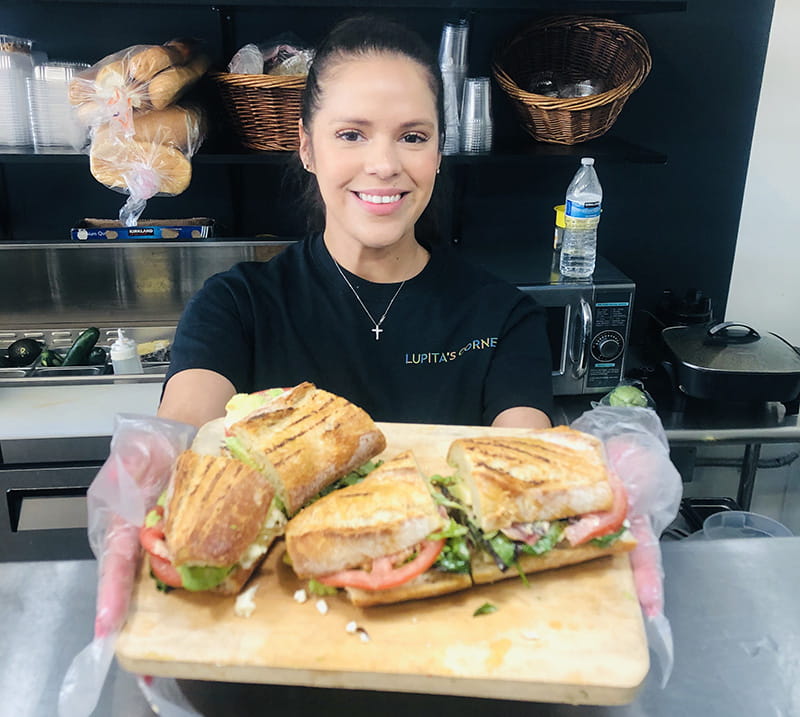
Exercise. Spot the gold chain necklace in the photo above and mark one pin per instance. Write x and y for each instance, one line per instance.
(377, 330)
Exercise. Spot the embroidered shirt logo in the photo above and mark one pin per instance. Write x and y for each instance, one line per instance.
(431, 357)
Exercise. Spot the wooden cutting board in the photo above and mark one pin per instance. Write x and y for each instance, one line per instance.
(574, 636)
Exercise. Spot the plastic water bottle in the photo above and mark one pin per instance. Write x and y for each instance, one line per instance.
(125, 356)
(581, 217)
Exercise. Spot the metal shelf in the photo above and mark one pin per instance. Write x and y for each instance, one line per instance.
(608, 147)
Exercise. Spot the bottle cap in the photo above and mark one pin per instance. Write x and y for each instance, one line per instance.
(559, 209)
(587, 161)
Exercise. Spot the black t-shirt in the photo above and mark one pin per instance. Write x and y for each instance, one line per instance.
(458, 345)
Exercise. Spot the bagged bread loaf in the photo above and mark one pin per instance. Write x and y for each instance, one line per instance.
(168, 85)
(140, 168)
(141, 142)
(140, 77)
(147, 63)
(176, 125)
(154, 160)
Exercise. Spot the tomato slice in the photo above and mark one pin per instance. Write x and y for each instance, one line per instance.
(593, 525)
(383, 574)
(165, 571)
(152, 540)
(148, 537)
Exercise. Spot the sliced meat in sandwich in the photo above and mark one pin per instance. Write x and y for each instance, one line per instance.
(534, 503)
(384, 540)
(213, 525)
(302, 440)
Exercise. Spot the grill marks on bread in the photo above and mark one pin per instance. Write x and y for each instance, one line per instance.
(307, 438)
(387, 512)
(552, 474)
(216, 510)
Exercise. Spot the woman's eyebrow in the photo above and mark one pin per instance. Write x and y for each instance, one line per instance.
(360, 122)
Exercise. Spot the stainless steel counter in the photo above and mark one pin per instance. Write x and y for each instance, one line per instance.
(731, 603)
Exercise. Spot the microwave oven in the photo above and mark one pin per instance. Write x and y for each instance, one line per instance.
(588, 320)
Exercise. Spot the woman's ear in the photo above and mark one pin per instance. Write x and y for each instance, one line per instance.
(304, 150)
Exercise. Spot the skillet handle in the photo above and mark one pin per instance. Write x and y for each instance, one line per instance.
(720, 331)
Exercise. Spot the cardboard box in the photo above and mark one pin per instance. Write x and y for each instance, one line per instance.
(148, 230)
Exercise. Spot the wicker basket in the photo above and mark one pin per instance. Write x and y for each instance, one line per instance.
(263, 109)
(573, 49)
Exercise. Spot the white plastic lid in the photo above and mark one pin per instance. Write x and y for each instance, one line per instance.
(587, 161)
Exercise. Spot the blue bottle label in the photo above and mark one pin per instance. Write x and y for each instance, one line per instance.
(589, 210)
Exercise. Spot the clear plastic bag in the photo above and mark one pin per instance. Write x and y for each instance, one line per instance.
(141, 141)
(127, 485)
(155, 160)
(285, 54)
(140, 77)
(637, 450)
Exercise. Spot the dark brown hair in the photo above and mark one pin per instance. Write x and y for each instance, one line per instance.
(358, 37)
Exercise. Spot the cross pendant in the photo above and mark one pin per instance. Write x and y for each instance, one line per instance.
(377, 331)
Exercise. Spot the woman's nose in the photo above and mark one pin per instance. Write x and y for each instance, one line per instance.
(383, 159)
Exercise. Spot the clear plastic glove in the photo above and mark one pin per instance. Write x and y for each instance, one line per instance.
(638, 451)
(127, 485)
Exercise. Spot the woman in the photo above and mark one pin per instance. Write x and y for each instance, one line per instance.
(406, 330)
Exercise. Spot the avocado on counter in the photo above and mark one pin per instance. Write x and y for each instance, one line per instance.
(23, 352)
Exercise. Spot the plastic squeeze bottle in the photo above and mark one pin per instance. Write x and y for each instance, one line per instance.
(125, 356)
(581, 217)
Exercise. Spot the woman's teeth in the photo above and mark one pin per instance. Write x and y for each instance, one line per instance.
(377, 199)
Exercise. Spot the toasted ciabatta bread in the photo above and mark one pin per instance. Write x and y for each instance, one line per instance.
(551, 474)
(484, 570)
(305, 439)
(216, 509)
(387, 512)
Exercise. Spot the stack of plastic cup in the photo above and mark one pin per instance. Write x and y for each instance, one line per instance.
(16, 65)
(476, 116)
(53, 121)
(453, 65)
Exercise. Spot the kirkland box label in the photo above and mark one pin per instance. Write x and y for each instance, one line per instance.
(151, 229)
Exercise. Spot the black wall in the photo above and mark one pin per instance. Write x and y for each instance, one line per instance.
(666, 225)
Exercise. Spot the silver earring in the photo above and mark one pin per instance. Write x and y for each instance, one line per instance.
(438, 169)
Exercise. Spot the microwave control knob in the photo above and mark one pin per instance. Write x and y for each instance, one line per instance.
(607, 346)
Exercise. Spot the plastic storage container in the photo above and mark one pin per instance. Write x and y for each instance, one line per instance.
(16, 66)
(743, 524)
(53, 121)
(581, 217)
(125, 355)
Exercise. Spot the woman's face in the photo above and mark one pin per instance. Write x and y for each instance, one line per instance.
(373, 146)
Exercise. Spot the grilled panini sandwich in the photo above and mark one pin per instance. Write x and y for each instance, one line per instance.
(384, 540)
(536, 502)
(302, 440)
(214, 526)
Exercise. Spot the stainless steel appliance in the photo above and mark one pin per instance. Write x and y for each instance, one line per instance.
(588, 320)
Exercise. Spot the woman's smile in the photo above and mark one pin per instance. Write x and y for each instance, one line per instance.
(380, 202)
